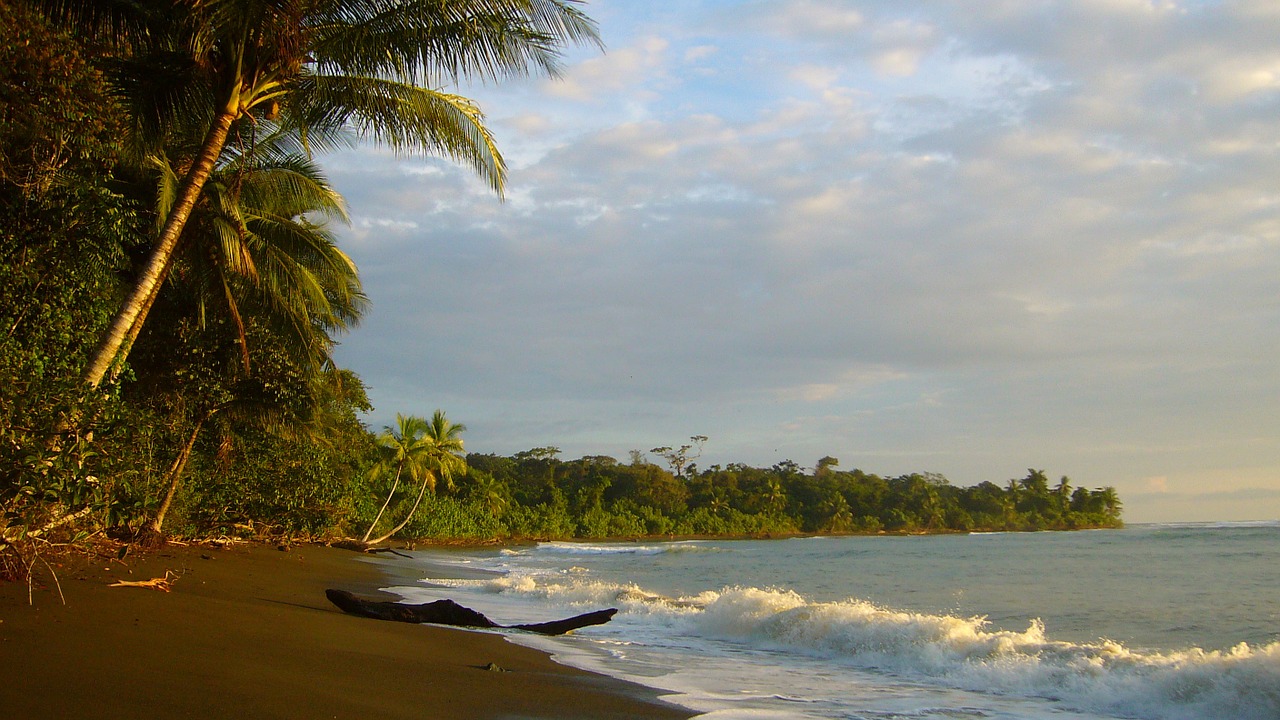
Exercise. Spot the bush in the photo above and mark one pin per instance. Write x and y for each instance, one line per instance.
(446, 518)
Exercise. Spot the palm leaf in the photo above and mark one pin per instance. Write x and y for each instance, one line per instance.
(402, 116)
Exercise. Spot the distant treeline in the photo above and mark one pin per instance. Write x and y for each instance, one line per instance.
(269, 486)
(534, 495)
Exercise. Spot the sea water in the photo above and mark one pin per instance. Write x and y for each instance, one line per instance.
(1152, 621)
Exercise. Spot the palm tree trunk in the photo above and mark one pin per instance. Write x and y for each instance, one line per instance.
(135, 309)
(427, 479)
(386, 502)
(174, 476)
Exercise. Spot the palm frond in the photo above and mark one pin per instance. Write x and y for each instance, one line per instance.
(404, 117)
(434, 41)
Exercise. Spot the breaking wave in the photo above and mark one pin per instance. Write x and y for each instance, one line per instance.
(576, 548)
(966, 653)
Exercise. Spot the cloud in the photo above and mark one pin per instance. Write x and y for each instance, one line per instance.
(980, 236)
(809, 18)
(641, 64)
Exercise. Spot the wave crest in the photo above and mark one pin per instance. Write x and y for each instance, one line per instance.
(1105, 676)
(966, 653)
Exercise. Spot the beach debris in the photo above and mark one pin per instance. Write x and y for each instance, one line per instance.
(361, 546)
(448, 612)
(495, 667)
(163, 584)
(393, 551)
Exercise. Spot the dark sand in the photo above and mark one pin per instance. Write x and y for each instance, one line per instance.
(247, 633)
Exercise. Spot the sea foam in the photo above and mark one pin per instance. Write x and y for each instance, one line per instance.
(958, 652)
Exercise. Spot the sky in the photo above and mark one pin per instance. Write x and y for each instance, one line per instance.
(953, 237)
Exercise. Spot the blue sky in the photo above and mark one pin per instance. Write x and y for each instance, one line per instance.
(965, 238)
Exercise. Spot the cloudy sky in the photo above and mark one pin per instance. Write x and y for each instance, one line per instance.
(962, 237)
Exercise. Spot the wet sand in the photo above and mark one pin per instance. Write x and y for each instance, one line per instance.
(246, 632)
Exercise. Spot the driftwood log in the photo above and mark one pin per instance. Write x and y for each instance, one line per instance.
(448, 612)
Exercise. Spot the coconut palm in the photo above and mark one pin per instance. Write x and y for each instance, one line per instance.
(486, 490)
(423, 450)
(260, 246)
(254, 255)
(224, 70)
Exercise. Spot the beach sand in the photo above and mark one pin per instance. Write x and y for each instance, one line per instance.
(246, 632)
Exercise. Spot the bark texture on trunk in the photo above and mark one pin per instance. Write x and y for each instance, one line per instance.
(138, 304)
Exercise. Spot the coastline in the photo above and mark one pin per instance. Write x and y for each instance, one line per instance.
(246, 631)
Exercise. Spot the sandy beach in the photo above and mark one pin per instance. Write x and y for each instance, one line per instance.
(246, 632)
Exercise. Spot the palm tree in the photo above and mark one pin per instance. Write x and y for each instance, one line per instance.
(259, 249)
(403, 446)
(425, 451)
(253, 254)
(839, 516)
(774, 496)
(1110, 501)
(221, 71)
(486, 490)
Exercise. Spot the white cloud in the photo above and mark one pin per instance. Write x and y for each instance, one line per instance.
(636, 66)
(700, 52)
(811, 18)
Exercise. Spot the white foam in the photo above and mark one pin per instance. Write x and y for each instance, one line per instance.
(956, 652)
(1105, 676)
(574, 548)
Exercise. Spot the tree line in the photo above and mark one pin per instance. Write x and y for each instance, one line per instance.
(533, 494)
(172, 291)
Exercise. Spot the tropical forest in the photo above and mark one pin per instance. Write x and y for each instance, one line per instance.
(172, 291)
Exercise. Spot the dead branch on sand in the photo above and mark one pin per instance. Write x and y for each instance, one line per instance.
(163, 584)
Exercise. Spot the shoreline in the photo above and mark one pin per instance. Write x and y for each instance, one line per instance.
(246, 631)
(465, 543)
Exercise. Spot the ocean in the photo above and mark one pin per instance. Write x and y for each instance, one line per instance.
(1172, 621)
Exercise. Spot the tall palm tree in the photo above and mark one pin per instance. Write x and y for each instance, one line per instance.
(221, 70)
(425, 451)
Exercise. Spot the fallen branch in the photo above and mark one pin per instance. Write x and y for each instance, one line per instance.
(14, 534)
(448, 612)
(393, 551)
(364, 547)
(163, 584)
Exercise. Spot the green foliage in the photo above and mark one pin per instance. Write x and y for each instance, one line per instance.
(420, 452)
(244, 479)
(454, 519)
(537, 496)
(544, 521)
(62, 224)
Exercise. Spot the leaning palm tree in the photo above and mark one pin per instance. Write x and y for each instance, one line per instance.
(402, 447)
(423, 450)
(223, 70)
